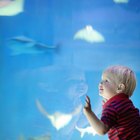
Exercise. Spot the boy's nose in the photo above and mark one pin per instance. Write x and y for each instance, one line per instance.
(100, 85)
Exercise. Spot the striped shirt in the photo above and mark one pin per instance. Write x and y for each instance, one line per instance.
(122, 118)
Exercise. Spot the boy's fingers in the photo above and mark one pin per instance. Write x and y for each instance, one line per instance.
(87, 102)
(86, 105)
(87, 99)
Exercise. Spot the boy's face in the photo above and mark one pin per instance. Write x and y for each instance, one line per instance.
(107, 88)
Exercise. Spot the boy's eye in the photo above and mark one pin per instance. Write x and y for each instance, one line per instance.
(104, 81)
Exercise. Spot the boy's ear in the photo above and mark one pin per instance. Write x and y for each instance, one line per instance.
(121, 88)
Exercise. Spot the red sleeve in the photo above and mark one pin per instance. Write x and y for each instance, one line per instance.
(109, 116)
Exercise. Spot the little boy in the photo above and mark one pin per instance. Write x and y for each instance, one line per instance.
(120, 119)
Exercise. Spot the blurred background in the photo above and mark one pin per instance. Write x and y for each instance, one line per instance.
(52, 54)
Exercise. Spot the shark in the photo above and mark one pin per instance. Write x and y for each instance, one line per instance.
(24, 45)
(11, 7)
(58, 119)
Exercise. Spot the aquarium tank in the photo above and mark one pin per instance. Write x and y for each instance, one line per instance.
(52, 54)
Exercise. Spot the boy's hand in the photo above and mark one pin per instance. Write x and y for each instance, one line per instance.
(87, 107)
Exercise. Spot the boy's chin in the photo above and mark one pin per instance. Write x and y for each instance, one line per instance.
(103, 96)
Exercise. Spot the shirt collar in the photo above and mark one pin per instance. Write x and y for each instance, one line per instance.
(115, 98)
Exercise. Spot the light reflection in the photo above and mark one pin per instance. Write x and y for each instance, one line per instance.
(121, 1)
(89, 34)
(88, 130)
(11, 7)
(58, 119)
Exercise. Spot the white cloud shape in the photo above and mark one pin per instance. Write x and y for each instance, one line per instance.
(89, 34)
(58, 119)
(121, 1)
(11, 7)
(85, 130)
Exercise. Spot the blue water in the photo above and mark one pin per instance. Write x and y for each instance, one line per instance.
(42, 62)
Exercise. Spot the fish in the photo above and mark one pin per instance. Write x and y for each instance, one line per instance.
(58, 119)
(11, 7)
(85, 130)
(24, 45)
(89, 34)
